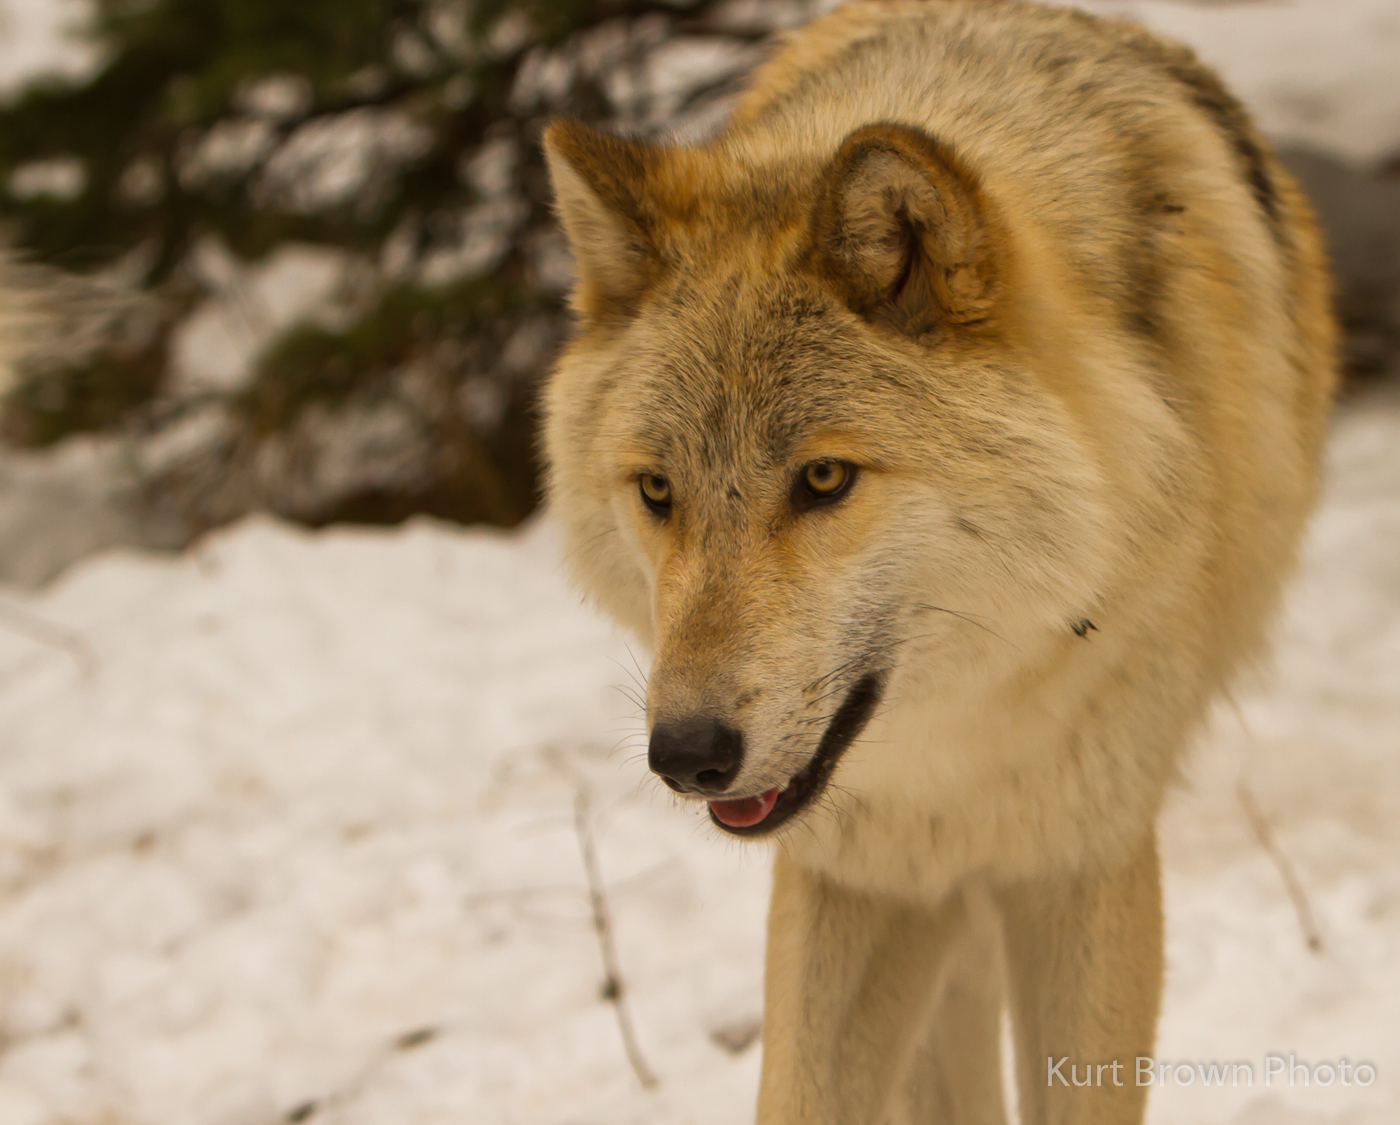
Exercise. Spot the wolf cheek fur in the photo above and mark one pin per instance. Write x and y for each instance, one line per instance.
(1032, 280)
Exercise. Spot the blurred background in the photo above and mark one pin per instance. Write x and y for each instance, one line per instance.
(303, 254)
(319, 275)
(308, 772)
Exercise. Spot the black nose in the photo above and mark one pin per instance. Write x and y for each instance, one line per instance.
(698, 755)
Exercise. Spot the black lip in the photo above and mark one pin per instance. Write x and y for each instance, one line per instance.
(810, 782)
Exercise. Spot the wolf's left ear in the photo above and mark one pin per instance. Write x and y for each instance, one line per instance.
(902, 233)
(599, 193)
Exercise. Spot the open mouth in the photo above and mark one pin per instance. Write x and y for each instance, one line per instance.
(754, 816)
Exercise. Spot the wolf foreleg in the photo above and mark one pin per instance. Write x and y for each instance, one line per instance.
(1084, 973)
(849, 981)
(954, 1075)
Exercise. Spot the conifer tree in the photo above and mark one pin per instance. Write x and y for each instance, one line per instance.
(401, 133)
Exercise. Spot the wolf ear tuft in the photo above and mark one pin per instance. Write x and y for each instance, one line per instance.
(599, 193)
(901, 231)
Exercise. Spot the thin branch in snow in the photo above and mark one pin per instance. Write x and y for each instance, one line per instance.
(415, 1038)
(614, 987)
(46, 632)
(1306, 921)
(351, 1091)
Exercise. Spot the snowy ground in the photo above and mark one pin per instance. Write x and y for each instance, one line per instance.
(271, 808)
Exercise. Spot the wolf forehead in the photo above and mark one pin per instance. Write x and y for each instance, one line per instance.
(747, 369)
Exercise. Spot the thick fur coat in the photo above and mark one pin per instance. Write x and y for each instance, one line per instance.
(1029, 287)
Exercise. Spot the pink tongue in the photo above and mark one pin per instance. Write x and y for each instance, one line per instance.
(746, 811)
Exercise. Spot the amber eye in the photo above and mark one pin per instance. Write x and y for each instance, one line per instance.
(825, 480)
(656, 492)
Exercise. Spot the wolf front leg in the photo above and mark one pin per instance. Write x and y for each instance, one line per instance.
(848, 983)
(1084, 973)
(954, 1076)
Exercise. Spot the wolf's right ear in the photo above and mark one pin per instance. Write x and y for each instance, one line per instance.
(599, 194)
(902, 233)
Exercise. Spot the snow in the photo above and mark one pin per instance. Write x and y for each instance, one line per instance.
(41, 39)
(1316, 742)
(270, 807)
(313, 795)
(214, 349)
(1315, 72)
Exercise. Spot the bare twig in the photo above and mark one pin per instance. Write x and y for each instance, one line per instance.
(1265, 835)
(47, 632)
(354, 1089)
(613, 989)
(1306, 922)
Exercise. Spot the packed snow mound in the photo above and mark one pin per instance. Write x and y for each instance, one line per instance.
(268, 808)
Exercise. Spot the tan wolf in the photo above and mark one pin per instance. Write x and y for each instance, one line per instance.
(946, 425)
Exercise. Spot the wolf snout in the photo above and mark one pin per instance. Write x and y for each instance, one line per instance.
(696, 755)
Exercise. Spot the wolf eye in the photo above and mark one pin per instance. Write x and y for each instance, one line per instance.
(656, 492)
(822, 481)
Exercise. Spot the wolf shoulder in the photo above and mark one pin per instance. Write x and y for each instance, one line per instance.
(1115, 155)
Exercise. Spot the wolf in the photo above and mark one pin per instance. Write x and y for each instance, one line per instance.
(946, 426)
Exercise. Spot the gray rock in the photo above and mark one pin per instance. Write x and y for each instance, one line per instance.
(1360, 212)
(62, 504)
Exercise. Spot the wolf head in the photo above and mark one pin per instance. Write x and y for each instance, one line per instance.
(803, 444)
